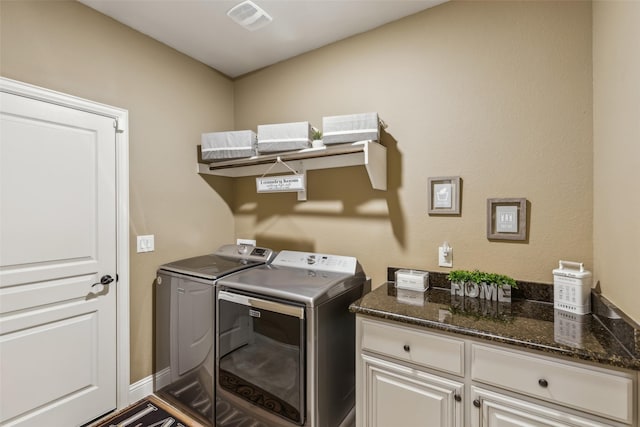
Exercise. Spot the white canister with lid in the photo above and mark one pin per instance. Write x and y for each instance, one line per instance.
(572, 288)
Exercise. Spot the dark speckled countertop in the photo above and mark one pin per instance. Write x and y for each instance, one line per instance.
(524, 323)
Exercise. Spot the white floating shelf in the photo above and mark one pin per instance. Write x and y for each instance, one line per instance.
(370, 154)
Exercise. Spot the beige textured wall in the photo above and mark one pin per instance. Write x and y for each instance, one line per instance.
(499, 93)
(171, 99)
(616, 135)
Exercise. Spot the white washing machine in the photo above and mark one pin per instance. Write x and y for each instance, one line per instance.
(185, 301)
(286, 342)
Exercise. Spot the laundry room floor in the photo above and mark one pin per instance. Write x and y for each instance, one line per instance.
(114, 419)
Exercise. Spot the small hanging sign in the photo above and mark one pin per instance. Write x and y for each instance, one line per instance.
(280, 184)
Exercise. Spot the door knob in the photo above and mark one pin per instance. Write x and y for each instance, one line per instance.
(104, 280)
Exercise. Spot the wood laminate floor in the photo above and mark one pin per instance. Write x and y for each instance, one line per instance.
(190, 421)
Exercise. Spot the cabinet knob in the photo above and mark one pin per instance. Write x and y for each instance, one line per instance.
(457, 398)
(543, 383)
(476, 403)
(406, 347)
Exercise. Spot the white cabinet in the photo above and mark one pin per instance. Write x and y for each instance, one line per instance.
(411, 376)
(600, 392)
(398, 395)
(428, 350)
(394, 389)
(501, 410)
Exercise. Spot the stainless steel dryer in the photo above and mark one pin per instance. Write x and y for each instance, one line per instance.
(185, 324)
(286, 342)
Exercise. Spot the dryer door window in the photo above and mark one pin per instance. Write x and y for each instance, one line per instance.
(261, 353)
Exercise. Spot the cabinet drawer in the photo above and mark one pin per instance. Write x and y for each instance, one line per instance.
(423, 348)
(596, 391)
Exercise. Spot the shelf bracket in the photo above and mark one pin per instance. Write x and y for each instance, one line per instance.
(376, 165)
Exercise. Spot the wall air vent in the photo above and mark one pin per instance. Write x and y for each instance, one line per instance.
(249, 15)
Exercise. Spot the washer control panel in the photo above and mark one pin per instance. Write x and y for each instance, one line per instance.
(246, 252)
(324, 262)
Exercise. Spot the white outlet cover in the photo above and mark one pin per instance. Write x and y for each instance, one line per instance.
(249, 242)
(445, 261)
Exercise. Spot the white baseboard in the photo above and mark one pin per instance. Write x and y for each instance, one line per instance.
(141, 389)
(144, 387)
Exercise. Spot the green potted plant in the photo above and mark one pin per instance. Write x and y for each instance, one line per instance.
(464, 282)
(460, 276)
(502, 280)
(316, 137)
(480, 284)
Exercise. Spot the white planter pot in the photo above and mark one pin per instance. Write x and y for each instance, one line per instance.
(488, 291)
(471, 289)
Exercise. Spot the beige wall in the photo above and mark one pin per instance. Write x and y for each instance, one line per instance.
(171, 99)
(616, 136)
(499, 93)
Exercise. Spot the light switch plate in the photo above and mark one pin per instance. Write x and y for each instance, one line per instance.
(146, 243)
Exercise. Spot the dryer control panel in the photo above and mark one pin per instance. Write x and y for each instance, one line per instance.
(324, 262)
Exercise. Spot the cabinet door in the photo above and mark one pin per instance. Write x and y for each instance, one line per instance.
(498, 410)
(397, 395)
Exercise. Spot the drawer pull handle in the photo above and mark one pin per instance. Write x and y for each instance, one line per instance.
(406, 348)
(457, 398)
(543, 383)
(476, 403)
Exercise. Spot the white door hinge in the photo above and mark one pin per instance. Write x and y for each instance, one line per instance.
(116, 125)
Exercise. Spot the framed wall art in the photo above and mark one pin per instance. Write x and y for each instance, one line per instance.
(507, 219)
(444, 195)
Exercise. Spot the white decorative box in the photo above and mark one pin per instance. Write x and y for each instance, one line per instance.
(413, 280)
(284, 137)
(350, 128)
(572, 288)
(228, 145)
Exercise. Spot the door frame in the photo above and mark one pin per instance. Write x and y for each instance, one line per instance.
(121, 123)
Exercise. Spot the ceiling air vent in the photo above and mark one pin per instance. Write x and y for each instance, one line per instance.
(249, 15)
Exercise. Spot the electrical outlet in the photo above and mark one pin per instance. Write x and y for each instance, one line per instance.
(445, 260)
(146, 243)
(245, 242)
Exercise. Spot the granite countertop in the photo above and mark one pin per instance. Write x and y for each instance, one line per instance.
(524, 323)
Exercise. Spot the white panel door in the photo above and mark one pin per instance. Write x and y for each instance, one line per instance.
(58, 238)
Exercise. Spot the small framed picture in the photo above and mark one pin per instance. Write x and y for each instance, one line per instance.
(507, 219)
(444, 195)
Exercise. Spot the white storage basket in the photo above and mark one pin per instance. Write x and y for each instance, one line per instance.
(228, 145)
(572, 288)
(284, 137)
(350, 128)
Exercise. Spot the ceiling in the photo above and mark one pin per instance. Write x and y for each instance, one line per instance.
(202, 30)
